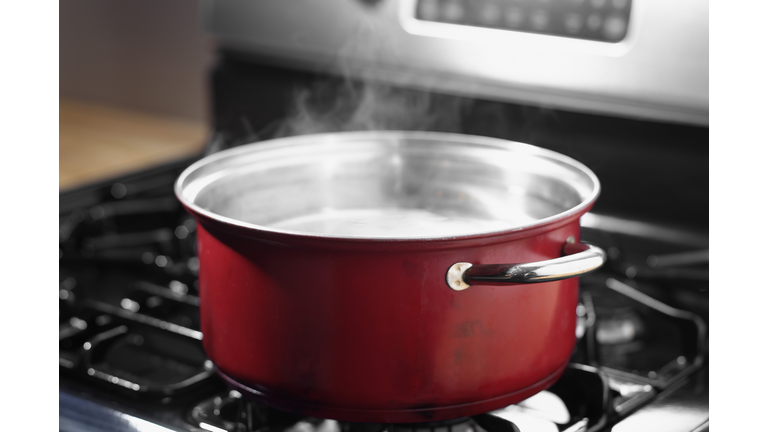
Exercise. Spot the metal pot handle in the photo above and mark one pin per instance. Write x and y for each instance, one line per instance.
(579, 259)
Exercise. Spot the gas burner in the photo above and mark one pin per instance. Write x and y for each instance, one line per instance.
(620, 321)
(232, 412)
(578, 400)
(619, 326)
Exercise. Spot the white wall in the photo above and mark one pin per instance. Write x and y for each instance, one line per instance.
(146, 55)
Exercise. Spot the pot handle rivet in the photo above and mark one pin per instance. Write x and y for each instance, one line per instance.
(455, 276)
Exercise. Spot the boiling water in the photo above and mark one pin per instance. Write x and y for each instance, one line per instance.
(392, 223)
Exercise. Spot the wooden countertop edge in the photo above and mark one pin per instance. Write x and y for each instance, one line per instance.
(98, 142)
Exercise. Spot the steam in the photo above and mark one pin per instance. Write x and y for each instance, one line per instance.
(360, 100)
(363, 105)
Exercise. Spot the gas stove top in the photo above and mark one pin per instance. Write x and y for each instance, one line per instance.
(130, 353)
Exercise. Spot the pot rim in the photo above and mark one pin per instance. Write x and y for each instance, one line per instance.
(579, 209)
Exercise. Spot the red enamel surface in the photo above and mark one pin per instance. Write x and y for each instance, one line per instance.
(369, 331)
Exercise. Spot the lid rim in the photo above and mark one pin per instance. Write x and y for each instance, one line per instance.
(192, 207)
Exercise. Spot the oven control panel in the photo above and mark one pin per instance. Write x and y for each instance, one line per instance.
(597, 20)
(644, 59)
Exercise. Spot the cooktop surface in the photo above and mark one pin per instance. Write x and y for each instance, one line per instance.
(130, 353)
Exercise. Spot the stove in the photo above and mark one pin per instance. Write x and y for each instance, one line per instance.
(130, 353)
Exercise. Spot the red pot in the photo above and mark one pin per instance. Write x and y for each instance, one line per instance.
(314, 301)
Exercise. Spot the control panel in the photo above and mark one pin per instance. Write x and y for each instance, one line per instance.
(597, 20)
(644, 59)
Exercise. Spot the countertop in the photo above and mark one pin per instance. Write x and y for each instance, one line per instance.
(98, 142)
